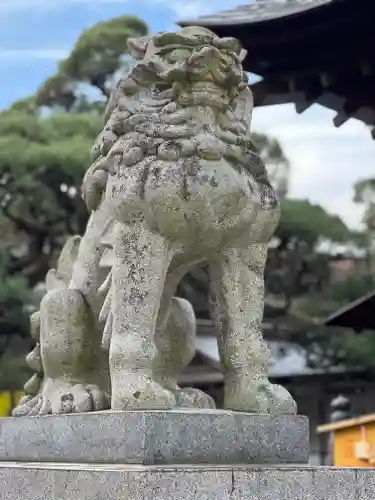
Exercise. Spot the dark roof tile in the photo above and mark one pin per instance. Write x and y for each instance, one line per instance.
(257, 11)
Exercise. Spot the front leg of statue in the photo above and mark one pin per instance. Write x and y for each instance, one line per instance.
(138, 275)
(33, 386)
(237, 298)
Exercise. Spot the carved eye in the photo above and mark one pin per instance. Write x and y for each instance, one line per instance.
(179, 55)
(224, 65)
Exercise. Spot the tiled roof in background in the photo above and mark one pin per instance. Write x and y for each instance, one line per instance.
(257, 11)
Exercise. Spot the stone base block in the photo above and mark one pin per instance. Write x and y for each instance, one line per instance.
(103, 482)
(156, 438)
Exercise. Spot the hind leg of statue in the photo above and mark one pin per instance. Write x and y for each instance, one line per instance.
(175, 342)
(76, 375)
(30, 400)
(236, 297)
(138, 277)
(34, 361)
(33, 386)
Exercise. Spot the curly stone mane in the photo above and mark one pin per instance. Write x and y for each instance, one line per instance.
(185, 99)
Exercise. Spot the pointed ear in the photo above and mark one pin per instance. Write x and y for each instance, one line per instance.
(67, 258)
(242, 55)
(138, 46)
(53, 280)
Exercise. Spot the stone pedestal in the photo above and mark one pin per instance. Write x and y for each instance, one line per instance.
(125, 482)
(174, 455)
(156, 438)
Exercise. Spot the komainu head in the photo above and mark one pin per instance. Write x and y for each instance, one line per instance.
(187, 57)
(181, 85)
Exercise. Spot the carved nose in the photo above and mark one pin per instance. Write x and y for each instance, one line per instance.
(205, 53)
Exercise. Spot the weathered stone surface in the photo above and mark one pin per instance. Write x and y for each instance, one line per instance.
(118, 482)
(177, 169)
(175, 182)
(157, 437)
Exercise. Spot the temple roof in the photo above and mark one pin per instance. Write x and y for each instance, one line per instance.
(257, 11)
(358, 315)
(307, 52)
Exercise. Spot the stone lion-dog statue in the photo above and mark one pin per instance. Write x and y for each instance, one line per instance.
(186, 186)
(179, 179)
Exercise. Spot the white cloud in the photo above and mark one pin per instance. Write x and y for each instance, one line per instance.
(185, 10)
(24, 54)
(326, 161)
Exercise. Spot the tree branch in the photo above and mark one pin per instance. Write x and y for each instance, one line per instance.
(21, 224)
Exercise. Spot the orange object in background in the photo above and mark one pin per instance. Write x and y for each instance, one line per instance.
(8, 400)
(353, 441)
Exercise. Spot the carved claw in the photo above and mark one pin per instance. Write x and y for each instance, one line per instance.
(26, 406)
(194, 398)
(263, 398)
(58, 397)
(135, 392)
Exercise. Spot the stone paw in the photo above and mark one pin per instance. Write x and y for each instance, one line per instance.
(193, 398)
(264, 398)
(133, 392)
(59, 397)
(25, 406)
(282, 401)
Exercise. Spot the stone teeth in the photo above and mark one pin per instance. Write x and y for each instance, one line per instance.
(107, 333)
(106, 307)
(104, 288)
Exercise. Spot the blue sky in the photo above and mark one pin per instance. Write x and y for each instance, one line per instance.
(326, 161)
(35, 35)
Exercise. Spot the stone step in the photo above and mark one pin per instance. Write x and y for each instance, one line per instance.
(56, 481)
(157, 438)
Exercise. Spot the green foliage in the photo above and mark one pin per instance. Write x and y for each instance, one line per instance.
(14, 295)
(358, 350)
(14, 371)
(43, 158)
(42, 161)
(335, 296)
(100, 52)
(276, 162)
(310, 223)
(58, 90)
(37, 157)
(337, 346)
(364, 193)
(295, 268)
